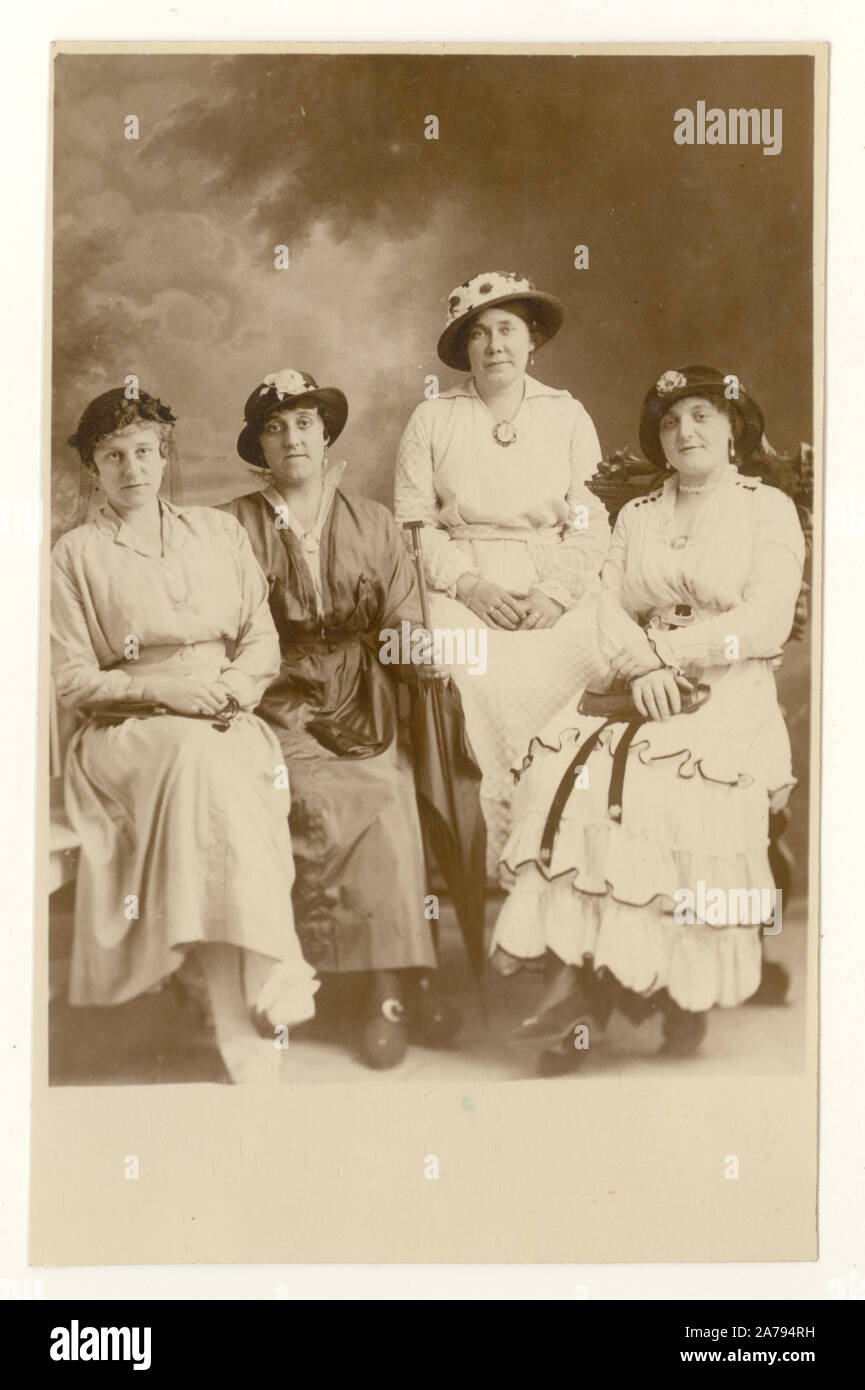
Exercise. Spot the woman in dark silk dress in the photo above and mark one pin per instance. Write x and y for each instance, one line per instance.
(339, 576)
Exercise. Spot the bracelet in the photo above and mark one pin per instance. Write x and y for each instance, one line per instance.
(470, 595)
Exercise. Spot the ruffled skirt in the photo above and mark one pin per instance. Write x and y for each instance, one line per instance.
(667, 890)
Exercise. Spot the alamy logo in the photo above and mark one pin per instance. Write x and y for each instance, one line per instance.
(75, 1343)
(737, 126)
(733, 907)
(443, 646)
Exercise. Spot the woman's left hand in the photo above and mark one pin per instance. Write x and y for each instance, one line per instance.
(543, 610)
(658, 694)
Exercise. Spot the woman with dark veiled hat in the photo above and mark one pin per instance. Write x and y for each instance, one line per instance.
(639, 852)
(163, 644)
(496, 466)
(339, 577)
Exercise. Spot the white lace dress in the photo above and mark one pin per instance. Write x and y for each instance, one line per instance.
(694, 804)
(520, 516)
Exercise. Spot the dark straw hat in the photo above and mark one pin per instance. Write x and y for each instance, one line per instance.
(485, 292)
(112, 411)
(286, 390)
(720, 387)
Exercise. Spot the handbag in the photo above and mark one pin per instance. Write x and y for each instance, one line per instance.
(104, 714)
(616, 705)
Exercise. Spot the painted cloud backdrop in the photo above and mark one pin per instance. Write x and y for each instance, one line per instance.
(164, 246)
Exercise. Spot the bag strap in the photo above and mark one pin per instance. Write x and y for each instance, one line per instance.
(617, 778)
(563, 793)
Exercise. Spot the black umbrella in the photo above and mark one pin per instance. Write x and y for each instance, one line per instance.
(447, 782)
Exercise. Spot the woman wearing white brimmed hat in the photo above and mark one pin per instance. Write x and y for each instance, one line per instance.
(497, 466)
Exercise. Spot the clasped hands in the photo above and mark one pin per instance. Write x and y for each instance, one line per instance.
(656, 688)
(193, 696)
(500, 608)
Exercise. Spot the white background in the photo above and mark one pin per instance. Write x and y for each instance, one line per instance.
(24, 97)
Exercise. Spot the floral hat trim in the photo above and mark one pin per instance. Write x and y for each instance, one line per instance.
(493, 284)
(670, 381)
(288, 382)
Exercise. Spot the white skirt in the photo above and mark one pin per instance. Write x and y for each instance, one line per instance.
(184, 839)
(528, 677)
(693, 821)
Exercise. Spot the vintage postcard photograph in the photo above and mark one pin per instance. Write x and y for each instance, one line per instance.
(430, 676)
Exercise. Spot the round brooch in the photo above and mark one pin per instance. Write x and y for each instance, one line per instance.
(504, 433)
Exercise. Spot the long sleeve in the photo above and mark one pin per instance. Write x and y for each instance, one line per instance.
(78, 675)
(415, 499)
(618, 630)
(256, 659)
(760, 624)
(574, 565)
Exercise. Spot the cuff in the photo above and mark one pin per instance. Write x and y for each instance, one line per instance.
(557, 592)
(666, 647)
(246, 692)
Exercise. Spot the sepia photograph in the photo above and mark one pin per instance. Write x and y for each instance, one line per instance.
(431, 648)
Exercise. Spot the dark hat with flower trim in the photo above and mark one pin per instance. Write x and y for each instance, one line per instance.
(484, 292)
(723, 387)
(286, 390)
(113, 411)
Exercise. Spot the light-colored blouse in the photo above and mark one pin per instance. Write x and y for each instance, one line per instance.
(738, 573)
(452, 474)
(199, 608)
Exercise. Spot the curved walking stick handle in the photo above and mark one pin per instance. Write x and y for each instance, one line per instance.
(414, 529)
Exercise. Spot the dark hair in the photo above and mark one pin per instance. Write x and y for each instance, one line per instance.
(113, 411)
(283, 407)
(751, 461)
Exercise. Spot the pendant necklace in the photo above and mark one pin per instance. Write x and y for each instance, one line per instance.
(503, 431)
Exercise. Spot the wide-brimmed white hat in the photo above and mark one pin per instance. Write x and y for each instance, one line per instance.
(484, 292)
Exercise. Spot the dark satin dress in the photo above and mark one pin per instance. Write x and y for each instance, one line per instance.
(360, 885)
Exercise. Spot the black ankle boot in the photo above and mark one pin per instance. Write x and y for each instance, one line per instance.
(384, 1035)
(683, 1032)
(432, 1021)
(563, 1057)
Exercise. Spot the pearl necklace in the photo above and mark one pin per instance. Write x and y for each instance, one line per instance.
(704, 487)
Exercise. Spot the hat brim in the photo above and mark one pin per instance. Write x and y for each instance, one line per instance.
(656, 407)
(548, 311)
(330, 398)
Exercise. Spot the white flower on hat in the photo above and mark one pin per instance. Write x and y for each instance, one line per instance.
(288, 382)
(670, 381)
(474, 293)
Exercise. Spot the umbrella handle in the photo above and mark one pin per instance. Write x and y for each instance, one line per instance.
(414, 529)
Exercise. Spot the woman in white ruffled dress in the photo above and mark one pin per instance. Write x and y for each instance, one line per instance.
(624, 832)
(514, 542)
